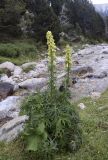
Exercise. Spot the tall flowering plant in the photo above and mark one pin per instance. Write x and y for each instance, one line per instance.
(51, 61)
(68, 63)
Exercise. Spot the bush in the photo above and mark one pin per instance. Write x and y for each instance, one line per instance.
(53, 124)
(16, 50)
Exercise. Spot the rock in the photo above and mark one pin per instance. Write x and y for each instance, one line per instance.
(33, 84)
(95, 95)
(82, 106)
(38, 73)
(7, 65)
(10, 80)
(4, 78)
(82, 70)
(12, 129)
(74, 80)
(5, 71)
(7, 79)
(60, 60)
(9, 106)
(17, 71)
(103, 75)
(26, 65)
(6, 89)
(105, 52)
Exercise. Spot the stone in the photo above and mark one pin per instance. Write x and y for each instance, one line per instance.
(103, 75)
(26, 65)
(9, 106)
(82, 70)
(33, 84)
(17, 71)
(7, 79)
(6, 89)
(7, 65)
(4, 78)
(12, 129)
(5, 71)
(82, 106)
(95, 95)
(105, 52)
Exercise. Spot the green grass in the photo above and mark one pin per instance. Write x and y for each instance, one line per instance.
(21, 51)
(95, 131)
(94, 124)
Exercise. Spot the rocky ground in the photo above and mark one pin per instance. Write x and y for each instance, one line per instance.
(89, 77)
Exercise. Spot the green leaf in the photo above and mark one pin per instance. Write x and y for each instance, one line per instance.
(33, 143)
(40, 129)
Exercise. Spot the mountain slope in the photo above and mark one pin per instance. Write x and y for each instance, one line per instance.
(102, 8)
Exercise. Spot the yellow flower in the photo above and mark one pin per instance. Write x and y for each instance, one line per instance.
(51, 60)
(68, 62)
(51, 45)
(68, 56)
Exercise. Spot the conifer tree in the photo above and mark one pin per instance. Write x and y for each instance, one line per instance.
(45, 19)
(82, 12)
(10, 14)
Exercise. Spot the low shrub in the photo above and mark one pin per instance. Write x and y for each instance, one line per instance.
(16, 50)
(53, 124)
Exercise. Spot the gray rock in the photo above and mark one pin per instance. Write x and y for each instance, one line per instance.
(33, 84)
(105, 52)
(95, 95)
(9, 106)
(6, 89)
(103, 75)
(7, 65)
(12, 129)
(4, 78)
(82, 70)
(17, 71)
(26, 65)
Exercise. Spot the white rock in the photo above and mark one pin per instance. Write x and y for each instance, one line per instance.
(26, 65)
(33, 84)
(60, 60)
(17, 71)
(16, 87)
(7, 65)
(12, 129)
(82, 106)
(4, 78)
(7, 80)
(11, 104)
(95, 95)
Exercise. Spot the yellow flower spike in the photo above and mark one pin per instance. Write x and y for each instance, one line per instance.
(51, 60)
(68, 63)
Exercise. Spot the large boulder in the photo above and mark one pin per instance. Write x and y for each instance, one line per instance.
(12, 129)
(6, 89)
(10, 107)
(7, 65)
(33, 84)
